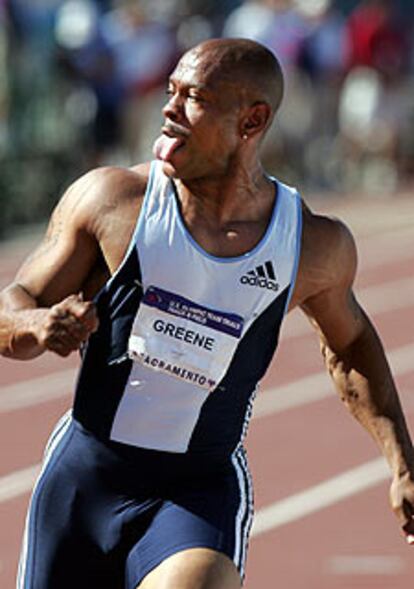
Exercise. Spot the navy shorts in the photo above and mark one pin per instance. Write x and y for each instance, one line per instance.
(99, 518)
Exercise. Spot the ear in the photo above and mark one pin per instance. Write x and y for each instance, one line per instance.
(255, 119)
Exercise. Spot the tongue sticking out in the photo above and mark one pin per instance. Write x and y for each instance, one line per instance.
(165, 146)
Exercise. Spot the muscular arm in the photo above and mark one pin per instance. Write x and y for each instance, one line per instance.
(46, 290)
(87, 237)
(355, 359)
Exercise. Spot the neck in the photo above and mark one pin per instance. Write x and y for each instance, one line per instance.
(234, 195)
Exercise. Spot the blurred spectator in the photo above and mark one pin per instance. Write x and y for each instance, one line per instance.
(144, 52)
(325, 49)
(250, 20)
(96, 95)
(323, 58)
(275, 23)
(4, 107)
(4, 90)
(83, 85)
(375, 108)
(279, 26)
(34, 20)
(377, 37)
(286, 32)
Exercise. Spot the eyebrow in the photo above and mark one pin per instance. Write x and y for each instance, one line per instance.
(198, 87)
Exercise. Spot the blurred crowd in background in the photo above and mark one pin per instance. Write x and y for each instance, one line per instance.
(83, 81)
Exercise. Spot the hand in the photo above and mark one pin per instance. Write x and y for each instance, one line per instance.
(402, 503)
(68, 324)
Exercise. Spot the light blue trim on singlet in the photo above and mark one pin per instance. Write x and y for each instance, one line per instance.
(161, 252)
(229, 259)
(140, 221)
(298, 251)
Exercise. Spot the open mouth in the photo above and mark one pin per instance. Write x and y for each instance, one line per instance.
(172, 139)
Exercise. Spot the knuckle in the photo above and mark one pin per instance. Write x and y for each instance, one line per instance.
(58, 307)
(49, 321)
(49, 338)
(63, 352)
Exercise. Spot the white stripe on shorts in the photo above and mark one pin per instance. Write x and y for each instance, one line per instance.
(244, 515)
(52, 444)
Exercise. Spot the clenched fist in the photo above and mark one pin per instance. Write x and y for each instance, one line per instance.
(67, 325)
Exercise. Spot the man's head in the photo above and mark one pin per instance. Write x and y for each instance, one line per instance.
(223, 94)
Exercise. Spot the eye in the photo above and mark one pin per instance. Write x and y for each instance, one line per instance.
(195, 98)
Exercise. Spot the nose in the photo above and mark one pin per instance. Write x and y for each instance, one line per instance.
(173, 110)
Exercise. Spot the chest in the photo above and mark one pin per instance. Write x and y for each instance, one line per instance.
(228, 240)
(174, 265)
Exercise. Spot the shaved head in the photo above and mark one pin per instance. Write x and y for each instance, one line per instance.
(223, 95)
(250, 65)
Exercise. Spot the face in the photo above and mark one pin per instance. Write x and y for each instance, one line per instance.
(201, 132)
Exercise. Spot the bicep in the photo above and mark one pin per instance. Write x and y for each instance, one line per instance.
(63, 260)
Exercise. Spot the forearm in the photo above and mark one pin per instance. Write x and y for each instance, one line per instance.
(20, 321)
(364, 381)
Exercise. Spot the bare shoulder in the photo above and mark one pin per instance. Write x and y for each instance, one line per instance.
(328, 256)
(87, 236)
(95, 194)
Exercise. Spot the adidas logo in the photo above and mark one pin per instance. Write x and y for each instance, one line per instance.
(262, 276)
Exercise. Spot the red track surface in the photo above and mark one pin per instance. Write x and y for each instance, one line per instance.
(352, 543)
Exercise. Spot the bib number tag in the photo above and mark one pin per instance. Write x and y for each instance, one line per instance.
(184, 339)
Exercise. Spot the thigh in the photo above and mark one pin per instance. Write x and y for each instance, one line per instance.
(209, 521)
(40, 544)
(195, 568)
(68, 522)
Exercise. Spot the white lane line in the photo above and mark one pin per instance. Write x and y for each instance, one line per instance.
(376, 299)
(389, 296)
(320, 496)
(18, 483)
(293, 394)
(30, 392)
(309, 389)
(273, 516)
(368, 564)
(319, 386)
(275, 400)
(323, 495)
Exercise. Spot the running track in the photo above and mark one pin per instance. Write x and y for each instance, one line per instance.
(320, 487)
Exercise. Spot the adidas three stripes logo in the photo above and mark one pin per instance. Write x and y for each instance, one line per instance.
(262, 276)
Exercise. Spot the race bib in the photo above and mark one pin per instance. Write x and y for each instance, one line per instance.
(184, 339)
